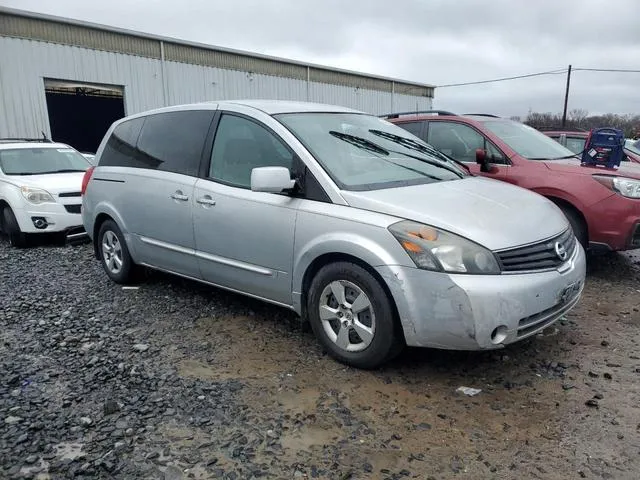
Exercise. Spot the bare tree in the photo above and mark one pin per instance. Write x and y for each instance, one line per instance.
(578, 115)
(580, 118)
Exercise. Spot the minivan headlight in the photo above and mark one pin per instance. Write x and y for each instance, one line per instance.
(434, 249)
(36, 195)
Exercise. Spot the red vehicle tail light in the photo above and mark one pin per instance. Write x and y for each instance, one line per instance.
(85, 179)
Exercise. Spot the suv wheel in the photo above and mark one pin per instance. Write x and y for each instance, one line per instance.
(114, 253)
(10, 226)
(577, 225)
(352, 316)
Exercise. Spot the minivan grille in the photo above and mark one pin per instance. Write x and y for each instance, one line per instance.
(539, 256)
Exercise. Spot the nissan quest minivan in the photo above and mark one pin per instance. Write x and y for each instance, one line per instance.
(364, 230)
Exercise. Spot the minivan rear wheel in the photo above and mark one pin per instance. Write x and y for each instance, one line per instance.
(352, 316)
(114, 253)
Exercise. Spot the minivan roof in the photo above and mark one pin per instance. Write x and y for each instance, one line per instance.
(270, 107)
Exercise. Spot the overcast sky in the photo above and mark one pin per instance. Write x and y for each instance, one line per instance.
(429, 41)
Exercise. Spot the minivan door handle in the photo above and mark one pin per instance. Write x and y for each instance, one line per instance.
(178, 195)
(206, 201)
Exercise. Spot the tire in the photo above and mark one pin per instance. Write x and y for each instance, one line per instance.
(371, 336)
(10, 226)
(577, 225)
(114, 254)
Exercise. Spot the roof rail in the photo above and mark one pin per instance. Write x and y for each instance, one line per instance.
(43, 139)
(482, 115)
(417, 112)
(557, 128)
(34, 140)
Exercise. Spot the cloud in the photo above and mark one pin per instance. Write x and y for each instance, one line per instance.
(435, 41)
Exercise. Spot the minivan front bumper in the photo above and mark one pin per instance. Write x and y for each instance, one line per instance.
(477, 312)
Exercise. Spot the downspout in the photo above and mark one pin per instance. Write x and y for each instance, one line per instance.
(308, 84)
(393, 91)
(162, 74)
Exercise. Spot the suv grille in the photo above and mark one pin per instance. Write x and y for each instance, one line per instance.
(539, 256)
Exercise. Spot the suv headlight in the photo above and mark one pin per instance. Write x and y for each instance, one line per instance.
(440, 251)
(37, 195)
(627, 187)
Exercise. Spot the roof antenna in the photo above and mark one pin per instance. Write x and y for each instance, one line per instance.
(44, 137)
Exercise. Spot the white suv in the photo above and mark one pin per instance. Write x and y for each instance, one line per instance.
(40, 183)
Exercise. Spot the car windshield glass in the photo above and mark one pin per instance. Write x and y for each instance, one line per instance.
(635, 147)
(575, 144)
(351, 149)
(39, 161)
(527, 141)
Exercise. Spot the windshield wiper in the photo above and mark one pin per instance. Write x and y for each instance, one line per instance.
(359, 142)
(373, 147)
(575, 155)
(413, 145)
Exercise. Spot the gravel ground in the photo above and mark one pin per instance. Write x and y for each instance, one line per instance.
(177, 380)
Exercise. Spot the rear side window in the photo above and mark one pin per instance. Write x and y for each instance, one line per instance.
(120, 150)
(170, 142)
(173, 142)
(413, 127)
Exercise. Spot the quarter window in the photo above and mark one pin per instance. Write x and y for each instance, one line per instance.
(120, 150)
(240, 146)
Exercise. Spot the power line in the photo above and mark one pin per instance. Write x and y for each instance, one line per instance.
(538, 74)
(552, 72)
(615, 70)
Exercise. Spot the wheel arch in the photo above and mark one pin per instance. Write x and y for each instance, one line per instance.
(3, 205)
(563, 203)
(333, 257)
(100, 219)
(103, 212)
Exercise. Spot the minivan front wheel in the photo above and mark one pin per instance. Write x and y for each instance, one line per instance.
(352, 316)
(114, 253)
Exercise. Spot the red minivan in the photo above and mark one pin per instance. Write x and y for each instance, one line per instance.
(602, 205)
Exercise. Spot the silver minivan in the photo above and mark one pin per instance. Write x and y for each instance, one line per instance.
(371, 235)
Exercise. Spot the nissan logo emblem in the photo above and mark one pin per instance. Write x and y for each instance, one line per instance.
(561, 252)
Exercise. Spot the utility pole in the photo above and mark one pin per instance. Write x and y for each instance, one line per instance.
(566, 98)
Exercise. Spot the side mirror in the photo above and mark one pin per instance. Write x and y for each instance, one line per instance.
(271, 179)
(482, 160)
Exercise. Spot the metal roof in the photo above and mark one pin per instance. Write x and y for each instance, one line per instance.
(54, 29)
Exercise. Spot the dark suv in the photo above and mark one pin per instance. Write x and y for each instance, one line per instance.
(602, 205)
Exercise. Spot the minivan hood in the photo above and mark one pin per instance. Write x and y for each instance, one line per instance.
(53, 183)
(492, 213)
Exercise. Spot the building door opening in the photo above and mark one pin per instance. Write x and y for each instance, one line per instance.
(80, 113)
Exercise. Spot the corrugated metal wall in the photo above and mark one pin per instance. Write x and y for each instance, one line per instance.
(24, 64)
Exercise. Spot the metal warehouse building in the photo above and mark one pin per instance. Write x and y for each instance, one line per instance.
(70, 80)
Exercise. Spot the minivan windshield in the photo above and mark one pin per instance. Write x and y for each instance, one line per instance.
(41, 161)
(362, 152)
(527, 141)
